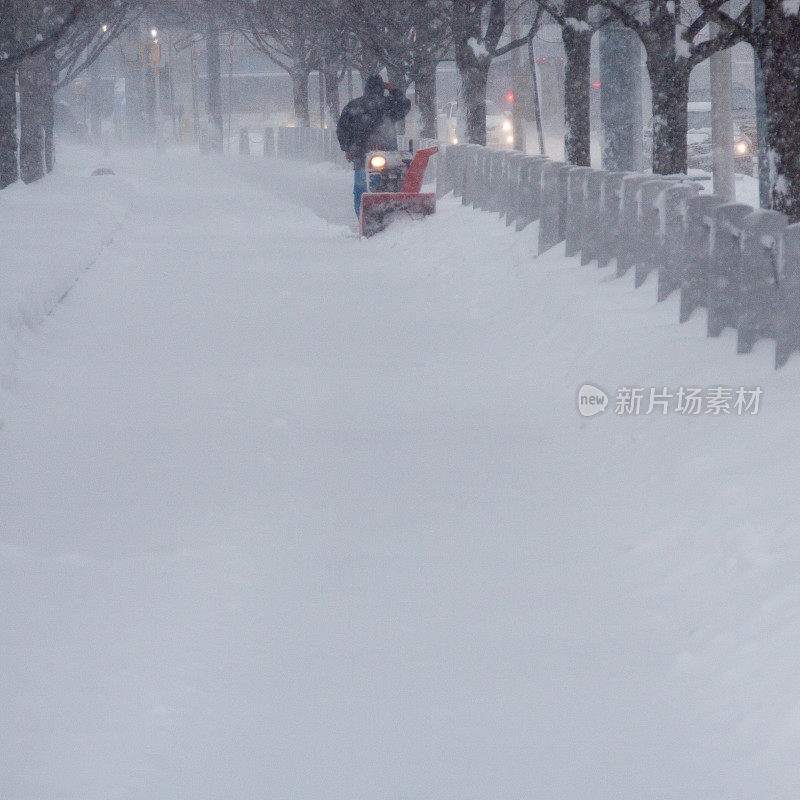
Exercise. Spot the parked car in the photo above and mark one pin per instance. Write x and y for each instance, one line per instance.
(698, 140)
(452, 125)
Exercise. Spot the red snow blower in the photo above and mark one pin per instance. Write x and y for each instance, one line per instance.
(394, 180)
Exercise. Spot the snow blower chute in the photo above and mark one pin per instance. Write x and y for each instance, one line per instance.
(394, 180)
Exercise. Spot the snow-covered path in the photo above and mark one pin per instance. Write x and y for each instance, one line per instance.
(287, 514)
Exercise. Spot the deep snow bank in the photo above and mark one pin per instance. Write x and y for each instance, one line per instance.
(50, 232)
(288, 514)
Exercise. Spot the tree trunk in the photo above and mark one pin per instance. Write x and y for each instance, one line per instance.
(397, 78)
(425, 85)
(577, 49)
(34, 85)
(214, 66)
(49, 111)
(49, 129)
(300, 96)
(669, 80)
(780, 62)
(332, 94)
(9, 172)
(473, 87)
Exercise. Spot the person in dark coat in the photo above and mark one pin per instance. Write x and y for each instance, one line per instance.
(368, 123)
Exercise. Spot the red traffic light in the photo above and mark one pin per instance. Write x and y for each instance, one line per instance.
(510, 97)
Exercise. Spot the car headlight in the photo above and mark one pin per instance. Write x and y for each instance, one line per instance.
(510, 139)
(742, 147)
(377, 162)
(507, 125)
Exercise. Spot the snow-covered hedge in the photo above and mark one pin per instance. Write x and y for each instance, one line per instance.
(51, 231)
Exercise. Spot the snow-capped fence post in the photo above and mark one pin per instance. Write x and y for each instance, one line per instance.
(563, 177)
(508, 187)
(482, 191)
(244, 142)
(325, 153)
(457, 156)
(314, 145)
(523, 196)
(722, 287)
(511, 199)
(787, 315)
(573, 224)
(460, 162)
(503, 192)
(607, 223)
(549, 205)
(496, 168)
(304, 134)
(471, 179)
(434, 162)
(337, 156)
(445, 175)
(592, 215)
(647, 229)
(672, 236)
(311, 144)
(500, 190)
(758, 277)
(628, 220)
(475, 176)
(693, 273)
(269, 142)
(530, 189)
(470, 175)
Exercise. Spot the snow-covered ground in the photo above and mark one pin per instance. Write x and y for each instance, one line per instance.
(287, 514)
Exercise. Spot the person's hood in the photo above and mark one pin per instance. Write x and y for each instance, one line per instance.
(374, 85)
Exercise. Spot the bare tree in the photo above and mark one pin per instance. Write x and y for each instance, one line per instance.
(410, 39)
(573, 16)
(671, 35)
(26, 30)
(477, 27)
(289, 35)
(772, 28)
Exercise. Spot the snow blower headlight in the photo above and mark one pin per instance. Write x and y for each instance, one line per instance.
(377, 162)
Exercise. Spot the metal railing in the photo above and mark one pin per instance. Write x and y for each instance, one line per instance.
(741, 264)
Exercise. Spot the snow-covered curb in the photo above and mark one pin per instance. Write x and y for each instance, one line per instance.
(51, 232)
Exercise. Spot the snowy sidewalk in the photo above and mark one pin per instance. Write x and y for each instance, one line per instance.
(287, 514)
